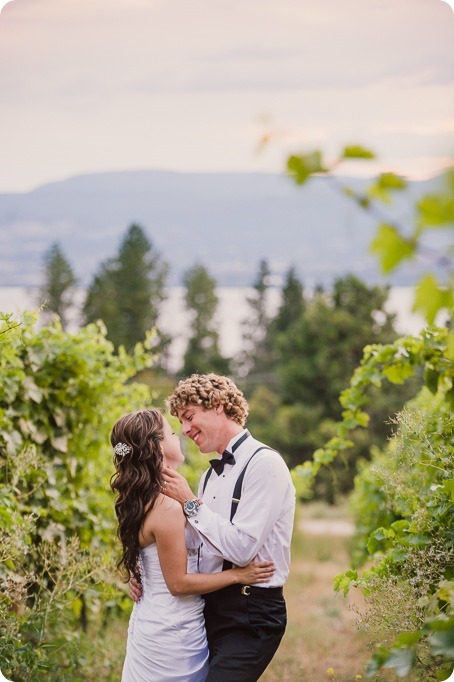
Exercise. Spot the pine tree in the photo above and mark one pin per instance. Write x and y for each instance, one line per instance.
(101, 299)
(323, 347)
(59, 282)
(255, 363)
(202, 353)
(292, 303)
(128, 290)
(317, 354)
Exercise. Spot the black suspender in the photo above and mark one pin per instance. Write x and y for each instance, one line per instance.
(236, 493)
(209, 472)
(239, 483)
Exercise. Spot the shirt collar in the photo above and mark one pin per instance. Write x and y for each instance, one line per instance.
(231, 444)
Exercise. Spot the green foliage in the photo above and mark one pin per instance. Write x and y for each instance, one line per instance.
(254, 363)
(404, 503)
(404, 499)
(58, 287)
(391, 247)
(314, 355)
(59, 396)
(357, 152)
(430, 298)
(41, 636)
(291, 306)
(60, 393)
(394, 362)
(344, 323)
(303, 166)
(395, 242)
(202, 353)
(127, 291)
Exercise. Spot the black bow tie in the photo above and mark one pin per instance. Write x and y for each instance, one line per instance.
(218, 464)
(227, 457)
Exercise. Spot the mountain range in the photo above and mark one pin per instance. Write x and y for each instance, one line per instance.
(225, 221)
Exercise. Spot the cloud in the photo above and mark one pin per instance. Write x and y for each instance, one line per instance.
(159, 83)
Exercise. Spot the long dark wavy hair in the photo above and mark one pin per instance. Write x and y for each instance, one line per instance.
(137, 479)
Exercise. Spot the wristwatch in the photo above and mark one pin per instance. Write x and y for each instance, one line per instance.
(191, 507)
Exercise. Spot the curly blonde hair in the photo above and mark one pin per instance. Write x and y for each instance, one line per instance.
(210, 391)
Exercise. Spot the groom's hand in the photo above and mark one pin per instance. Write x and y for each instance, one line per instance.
(175, 486)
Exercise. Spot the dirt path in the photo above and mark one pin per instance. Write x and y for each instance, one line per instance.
(339, 527)
(321, 634)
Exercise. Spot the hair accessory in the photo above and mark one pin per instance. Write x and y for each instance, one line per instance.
(122, 449)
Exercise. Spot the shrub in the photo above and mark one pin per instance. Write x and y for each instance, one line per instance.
(59, 396)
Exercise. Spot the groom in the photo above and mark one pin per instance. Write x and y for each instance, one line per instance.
(244, 510)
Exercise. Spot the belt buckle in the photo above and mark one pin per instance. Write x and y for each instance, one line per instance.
(246, 590)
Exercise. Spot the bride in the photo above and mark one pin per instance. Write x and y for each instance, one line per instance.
(166, 635)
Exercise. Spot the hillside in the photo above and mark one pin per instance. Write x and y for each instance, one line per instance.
(227, 221)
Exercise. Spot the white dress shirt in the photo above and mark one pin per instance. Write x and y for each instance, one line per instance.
(262, 527)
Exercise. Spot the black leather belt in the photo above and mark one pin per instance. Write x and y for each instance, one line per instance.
(247, 590)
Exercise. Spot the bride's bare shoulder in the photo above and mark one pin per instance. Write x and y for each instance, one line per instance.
(164, 514)
(165, 507)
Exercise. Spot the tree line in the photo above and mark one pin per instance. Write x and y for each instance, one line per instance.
(292, 366)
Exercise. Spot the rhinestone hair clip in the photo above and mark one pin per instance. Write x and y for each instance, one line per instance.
(122, 449)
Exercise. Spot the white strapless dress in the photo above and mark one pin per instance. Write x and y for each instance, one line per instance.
(166, 636)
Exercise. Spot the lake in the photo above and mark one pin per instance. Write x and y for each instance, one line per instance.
(232, 310)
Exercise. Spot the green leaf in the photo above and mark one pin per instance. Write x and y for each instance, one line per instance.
(31, 389)
(435, 210)
(391, 247)
(377, 661)
(357, 152)
(392, 181)
(343, 581)
(408, 638)
(398, 373)
(442, 643)
(401, 661)
(419, 540)
(400, 525)
(76, 607)
(431, 377)
(450, 346)
(430, 298)
(398, 554)
(444, 673)
(449, 487)
(383, 533)
(386, 183)
(303, 166)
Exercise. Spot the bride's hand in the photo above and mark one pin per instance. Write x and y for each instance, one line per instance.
(255, 572)
(135, 589)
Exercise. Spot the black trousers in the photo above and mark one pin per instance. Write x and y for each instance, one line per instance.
(243, 632)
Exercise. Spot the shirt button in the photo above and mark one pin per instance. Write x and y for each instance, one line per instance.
(195, 521)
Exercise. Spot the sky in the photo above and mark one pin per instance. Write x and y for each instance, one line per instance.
(100, 85)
